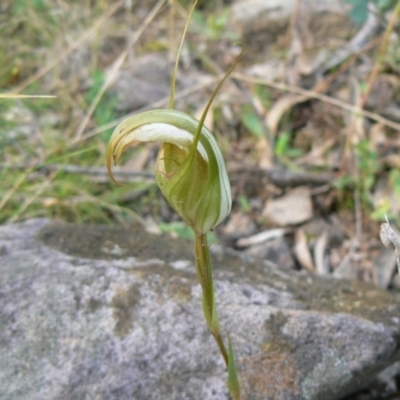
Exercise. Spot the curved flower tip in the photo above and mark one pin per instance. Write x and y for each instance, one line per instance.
(195, 183)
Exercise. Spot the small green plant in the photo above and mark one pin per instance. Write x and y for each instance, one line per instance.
(244, 204)
(214, 25)
(363, 179)
(384, 207)
(19, 6)
(252, 121)
(283, 147)
(104, 111)
(191, 174)
(394, 181)
(368, 166)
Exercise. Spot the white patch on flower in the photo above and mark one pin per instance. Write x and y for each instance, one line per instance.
(160, 132)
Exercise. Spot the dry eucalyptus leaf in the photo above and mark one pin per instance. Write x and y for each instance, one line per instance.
(293, 208)
(261, 237)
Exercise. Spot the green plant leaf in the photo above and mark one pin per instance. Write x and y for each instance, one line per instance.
(381, 211)
(283, 148)
(104, 112)
(395, 181)
(244, 204)
(344, 182)
(282, 144)
(252, 122)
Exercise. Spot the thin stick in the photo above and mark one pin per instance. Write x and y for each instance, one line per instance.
(319, 96)
(24, 96)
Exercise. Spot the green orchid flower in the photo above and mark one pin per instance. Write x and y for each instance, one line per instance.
(192, 176)
(190, 169)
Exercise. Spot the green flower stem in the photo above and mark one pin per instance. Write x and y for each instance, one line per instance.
(204, 272)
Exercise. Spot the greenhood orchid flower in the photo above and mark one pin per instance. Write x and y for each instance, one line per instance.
(192, 176)
(193, 179)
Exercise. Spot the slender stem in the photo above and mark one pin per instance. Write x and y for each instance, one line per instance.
(203, 265)
(204, 272)
(221, 345)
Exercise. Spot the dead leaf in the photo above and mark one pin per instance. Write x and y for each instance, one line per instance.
(261, 237)
(239, 224)
(293, 208)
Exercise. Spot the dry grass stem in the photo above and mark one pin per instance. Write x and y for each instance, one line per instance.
(309, 94)
(75, 45)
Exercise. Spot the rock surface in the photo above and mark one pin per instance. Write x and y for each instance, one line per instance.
(91, 312)
(145, 82)
(273, 16)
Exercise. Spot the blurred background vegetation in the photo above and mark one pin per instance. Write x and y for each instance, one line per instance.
(63, 49)
(53, 150)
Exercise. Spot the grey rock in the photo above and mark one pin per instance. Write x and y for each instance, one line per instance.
(276, 250)
(145, 82)
(97, 312)
(273, 16)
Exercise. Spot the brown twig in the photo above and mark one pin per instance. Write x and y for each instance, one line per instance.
(311, 94)
(122, 175)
